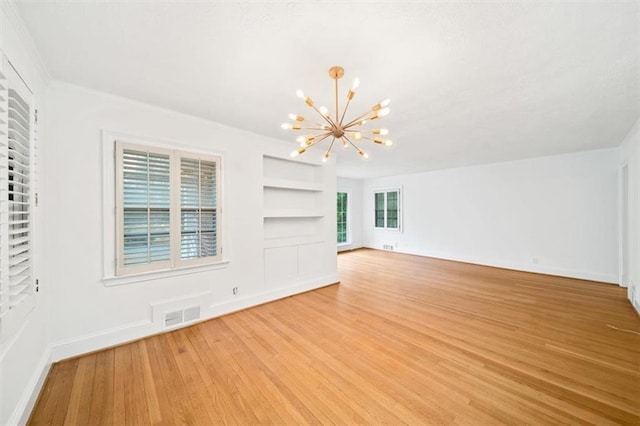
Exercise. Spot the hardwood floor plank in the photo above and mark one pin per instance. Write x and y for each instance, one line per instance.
(102, 395)
(81, 392)
(402, 340)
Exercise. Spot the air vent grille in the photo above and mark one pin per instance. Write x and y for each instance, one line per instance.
(184, 315)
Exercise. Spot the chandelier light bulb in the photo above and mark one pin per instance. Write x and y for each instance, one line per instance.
(324, 111)
(388, 142)
(325, 157)
(382, 132)
(345, 144)
(363, 154)
(300, 94)
(296, 117)
(382, 104)
(287, 126)
(384, 112)
(356, 83)
(357, 135)
(298, 152)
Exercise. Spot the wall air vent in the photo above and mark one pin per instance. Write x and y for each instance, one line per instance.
(181, 316)
(387, 246)
(191, 314)
(172, 318)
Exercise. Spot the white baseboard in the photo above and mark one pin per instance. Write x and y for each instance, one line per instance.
(347, 247)
(539, 269)
(101, 339)
(271, 295)
(28, 400)
(137, 330)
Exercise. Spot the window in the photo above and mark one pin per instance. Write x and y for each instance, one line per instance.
(387, 209)
(17, 178)
(167, 208)
(343, 217)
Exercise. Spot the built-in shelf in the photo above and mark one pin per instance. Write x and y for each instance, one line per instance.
(292, 184)
(292, 213)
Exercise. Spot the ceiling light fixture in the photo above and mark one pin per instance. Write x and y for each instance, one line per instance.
(336, 128)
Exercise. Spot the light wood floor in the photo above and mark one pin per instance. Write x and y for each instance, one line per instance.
(403, 339)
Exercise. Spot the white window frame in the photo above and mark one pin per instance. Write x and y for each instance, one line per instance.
(348, 241)
(385, 191)
(110, 275)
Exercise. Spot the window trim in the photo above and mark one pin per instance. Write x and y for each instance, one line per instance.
(109, 239)
(385, 191)
(348, 240)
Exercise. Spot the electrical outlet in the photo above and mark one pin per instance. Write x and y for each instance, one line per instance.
(235, 291)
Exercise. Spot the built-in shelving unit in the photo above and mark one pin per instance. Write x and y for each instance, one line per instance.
(294, 214)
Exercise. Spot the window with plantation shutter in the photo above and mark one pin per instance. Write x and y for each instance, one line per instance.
(167, 208)
(17, 145)
(198, 216)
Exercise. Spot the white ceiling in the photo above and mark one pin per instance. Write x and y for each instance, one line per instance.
(470, 82)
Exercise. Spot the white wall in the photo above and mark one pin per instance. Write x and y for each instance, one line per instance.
(24, 355)
(559, 211)
(354, 188)
(90, 314)
(630, 156)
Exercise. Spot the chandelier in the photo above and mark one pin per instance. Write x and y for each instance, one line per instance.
(334, 127)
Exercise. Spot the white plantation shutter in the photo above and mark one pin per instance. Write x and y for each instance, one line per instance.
(145, 207)
(17, 177)
(198, 202)
(4, 214)
(167, 208)
(19, 181)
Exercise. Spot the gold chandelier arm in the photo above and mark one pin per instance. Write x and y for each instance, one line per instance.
(311, 128)
(360, 150)
(352, 144)
(345, 110)
(328, 152)
(352, 122)
(379, 140)
(328, 120)
(336, 96)
(320, 139)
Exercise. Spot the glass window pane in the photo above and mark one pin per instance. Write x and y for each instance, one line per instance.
(342, 207)
(392, 209)
(379, 212)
